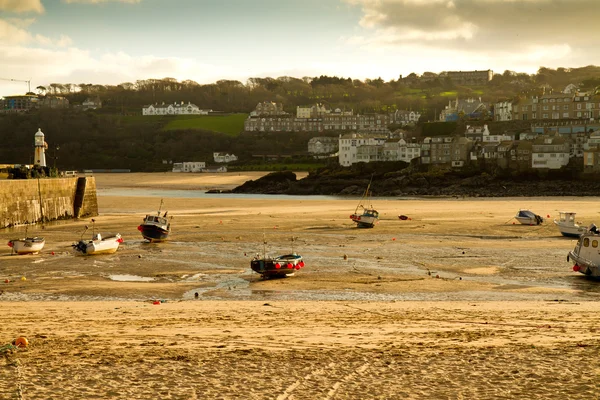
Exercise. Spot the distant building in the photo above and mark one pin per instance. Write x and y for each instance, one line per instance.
(467, 108)
(20, 103)
(591, 154)
(503, 111)
(470, 78)
(193, 166)
(224, 157)
(214, 168)
(452, 151)
(91, 103)
(268, 108)
(355, 147)
(404, 117)
(549, 152)
(315, 111)
(323, 145)
(335, 120)
(174, 109)
(54, 102)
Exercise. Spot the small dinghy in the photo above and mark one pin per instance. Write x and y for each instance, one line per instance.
(527, 217)
(108, 244)
(28, 245)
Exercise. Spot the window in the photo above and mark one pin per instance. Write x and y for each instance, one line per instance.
(586, 242)
(566, 115)
(594, 243)
(579, 106)
(545, 107)
(566, 107)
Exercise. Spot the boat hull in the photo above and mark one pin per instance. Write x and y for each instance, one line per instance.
(153, 233)
(583, 265)
(527, 221)
(108, 245)
(281, 266)
(571, 231)
(27, 246)
(364, 221)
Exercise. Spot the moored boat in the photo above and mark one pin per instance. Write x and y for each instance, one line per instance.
(365, 216)
(585, 256)
(567, 226)
(99, 244)
(155, 228)
(527, 217)
(28, 245)
(279, 266)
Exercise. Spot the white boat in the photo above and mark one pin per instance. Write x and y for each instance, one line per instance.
(28, 245)
(98, 244)
(368, 217)
(527, 217)
(567, 226)
(585, 256)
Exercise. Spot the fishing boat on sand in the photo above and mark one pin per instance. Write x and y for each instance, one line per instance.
(585, 256)
(27, 245)
(279, 266)
(99, 244)
(155, 228)
(365, 215)
(567, 226)
(527, 217)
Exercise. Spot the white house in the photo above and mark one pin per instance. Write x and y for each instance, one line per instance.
(224, 157)
(549, 152)
(173, 109)
(354, 148)
(189, 166)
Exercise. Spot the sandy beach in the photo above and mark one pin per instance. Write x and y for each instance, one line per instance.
(456, 302)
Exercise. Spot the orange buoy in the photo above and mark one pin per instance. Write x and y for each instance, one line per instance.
(21, 342)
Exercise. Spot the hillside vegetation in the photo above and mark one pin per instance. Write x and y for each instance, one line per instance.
(231, 125)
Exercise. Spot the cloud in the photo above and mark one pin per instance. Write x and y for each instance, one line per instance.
(20, 6)
(12, 32)
(100, 1)
(490, 27)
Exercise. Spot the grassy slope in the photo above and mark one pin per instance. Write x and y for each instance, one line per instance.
(231, 125)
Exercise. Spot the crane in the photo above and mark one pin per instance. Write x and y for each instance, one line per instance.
(19, 80)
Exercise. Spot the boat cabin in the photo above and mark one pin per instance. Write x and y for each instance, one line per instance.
(155, 219)
(567, 217)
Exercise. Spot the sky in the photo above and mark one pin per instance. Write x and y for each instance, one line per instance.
(116, 41)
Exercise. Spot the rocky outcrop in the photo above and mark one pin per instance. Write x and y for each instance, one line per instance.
(394, 184)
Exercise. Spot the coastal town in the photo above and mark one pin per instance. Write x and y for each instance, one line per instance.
(538, 130)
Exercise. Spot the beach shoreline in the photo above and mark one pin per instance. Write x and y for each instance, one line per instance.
(454, 302)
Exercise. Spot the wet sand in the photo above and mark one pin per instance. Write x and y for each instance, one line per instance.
(456, 302)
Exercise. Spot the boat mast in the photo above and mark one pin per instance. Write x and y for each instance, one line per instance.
(365, 194)
(159, 207)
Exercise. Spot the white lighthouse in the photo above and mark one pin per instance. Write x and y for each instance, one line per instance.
(40, 149)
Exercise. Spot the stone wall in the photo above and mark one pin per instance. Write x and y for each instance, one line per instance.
(60, 199)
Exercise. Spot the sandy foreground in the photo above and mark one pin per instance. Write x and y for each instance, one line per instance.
(455, 303)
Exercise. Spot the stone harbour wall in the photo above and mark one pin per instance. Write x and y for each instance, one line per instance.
(27, 201)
